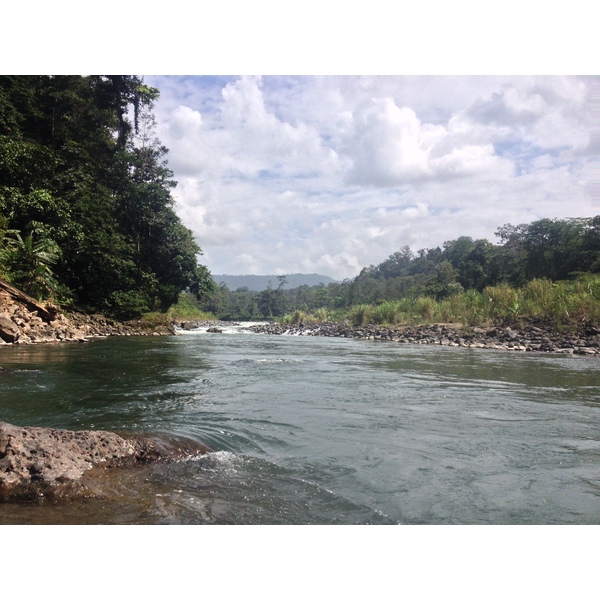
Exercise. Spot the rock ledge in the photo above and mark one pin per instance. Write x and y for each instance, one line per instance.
(40, 462)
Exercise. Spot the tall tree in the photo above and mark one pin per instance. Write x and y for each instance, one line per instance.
(74, 161)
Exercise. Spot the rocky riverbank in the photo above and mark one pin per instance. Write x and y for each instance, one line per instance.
(211, 326)
(27, 322)
(526, 337)
(38, 463)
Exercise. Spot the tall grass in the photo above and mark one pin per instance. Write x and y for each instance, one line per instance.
(563, 302)
(387, 313)
(361, 314)
(394, 312)
(184, 310)
(299, 317)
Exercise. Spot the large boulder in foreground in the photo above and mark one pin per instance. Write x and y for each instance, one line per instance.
(39, 462)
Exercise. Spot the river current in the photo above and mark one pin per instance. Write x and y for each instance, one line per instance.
(310, 430)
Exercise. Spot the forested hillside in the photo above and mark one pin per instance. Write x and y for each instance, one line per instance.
(86, 212)
(551, 250)
(257, 283)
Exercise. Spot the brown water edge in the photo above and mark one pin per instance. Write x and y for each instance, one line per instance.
(127, 496)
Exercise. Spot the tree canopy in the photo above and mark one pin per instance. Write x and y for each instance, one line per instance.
(551, 249)
(86, 211)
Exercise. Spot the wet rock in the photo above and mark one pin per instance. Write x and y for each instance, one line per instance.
(9, 330)
(585, 350)
(195, 324)
(38, 462)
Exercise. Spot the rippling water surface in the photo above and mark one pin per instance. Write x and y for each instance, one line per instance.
(321, 430)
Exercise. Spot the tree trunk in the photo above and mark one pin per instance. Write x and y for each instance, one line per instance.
(45, 312)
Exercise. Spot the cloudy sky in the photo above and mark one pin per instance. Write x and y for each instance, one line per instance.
(299, 172)
(328, 174)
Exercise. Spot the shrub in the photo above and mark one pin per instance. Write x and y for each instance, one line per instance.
(387, 313)
(425, 308)
(361, 314)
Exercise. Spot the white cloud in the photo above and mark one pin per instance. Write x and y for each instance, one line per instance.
(548, 113)
(387, 145)
(472, 160)
(185, 123)
(390, 146)
(260, 142)
(331, 174)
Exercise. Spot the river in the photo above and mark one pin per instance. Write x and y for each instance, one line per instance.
(310, 430)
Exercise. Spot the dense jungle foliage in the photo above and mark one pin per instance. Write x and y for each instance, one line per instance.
(558, 258)
(86, 212)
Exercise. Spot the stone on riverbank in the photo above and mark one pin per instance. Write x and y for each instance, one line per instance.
(20, 325)
(524, 338)
(40, 462)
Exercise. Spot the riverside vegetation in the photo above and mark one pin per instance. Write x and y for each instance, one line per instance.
(90, 245)
(550, 267)
(545, 274)
(563, 305)
(86, 211)
(87, 231)
(87, 224)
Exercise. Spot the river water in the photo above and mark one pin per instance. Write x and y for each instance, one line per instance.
(311, 430)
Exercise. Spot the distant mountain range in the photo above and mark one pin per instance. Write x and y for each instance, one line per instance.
(258, 283)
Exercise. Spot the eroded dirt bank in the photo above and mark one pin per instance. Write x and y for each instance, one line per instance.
(23, 320)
